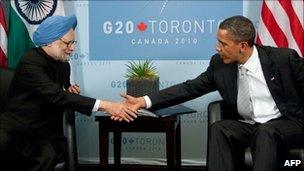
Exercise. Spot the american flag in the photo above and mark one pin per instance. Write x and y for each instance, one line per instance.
(3, 38)
(281, 24)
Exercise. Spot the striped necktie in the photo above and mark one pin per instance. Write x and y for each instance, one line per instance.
(243, 98)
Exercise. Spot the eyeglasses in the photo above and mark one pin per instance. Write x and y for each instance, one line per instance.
(69, 43)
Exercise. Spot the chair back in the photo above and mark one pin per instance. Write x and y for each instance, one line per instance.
(215, 112)
(70, 164)
(70, 134)
(6, 76)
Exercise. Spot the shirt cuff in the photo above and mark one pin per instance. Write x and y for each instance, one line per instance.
(96, 105)
(148, 102)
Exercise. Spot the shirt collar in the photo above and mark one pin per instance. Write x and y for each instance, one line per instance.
(253, 61)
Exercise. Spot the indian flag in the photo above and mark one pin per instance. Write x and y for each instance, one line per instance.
(24, 18)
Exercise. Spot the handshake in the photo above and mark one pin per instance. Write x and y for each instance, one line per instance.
(126, 110)
(119, 111)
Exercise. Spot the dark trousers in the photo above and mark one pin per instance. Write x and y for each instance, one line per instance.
(43, 156)
(268, 142)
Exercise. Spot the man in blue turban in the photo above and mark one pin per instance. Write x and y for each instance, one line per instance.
(31, 122)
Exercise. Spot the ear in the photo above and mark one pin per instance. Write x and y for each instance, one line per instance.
(244, 46)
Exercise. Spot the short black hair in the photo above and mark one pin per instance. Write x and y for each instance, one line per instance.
(241, 29)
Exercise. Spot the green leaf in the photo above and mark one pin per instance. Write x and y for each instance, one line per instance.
(141, 69)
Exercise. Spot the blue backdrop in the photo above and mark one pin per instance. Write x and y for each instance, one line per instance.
(127, 30)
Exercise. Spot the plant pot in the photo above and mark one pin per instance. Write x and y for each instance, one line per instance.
(141, 87)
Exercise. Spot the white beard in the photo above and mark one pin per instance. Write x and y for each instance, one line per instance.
(59, 56)
(64, 58)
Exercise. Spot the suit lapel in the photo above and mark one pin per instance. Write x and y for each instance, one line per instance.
(271, 74)
(230, 80)
(234, 82)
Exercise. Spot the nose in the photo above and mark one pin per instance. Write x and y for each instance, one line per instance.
(218, 48)
(72, 47)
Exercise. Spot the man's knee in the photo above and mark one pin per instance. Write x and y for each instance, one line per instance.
(265, 135)
(219, 126)
(266, 131)
(44, 157)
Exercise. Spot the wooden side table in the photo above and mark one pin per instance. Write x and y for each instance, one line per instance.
(169, 125)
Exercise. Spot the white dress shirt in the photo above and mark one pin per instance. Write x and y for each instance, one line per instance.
(263, 105)
(96, 105)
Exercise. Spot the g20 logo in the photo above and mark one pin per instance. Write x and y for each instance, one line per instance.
(118, 27)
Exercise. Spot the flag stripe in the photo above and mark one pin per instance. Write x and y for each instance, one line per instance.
(258, 40)
(281, 24)
(267, 17)
(265, 36)
(3, 61)
(3, 38)
(295, 24)
(280, 15)
(298, 7)
(2, 18)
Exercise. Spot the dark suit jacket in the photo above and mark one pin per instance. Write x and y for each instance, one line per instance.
(37, 97)
(283, 71)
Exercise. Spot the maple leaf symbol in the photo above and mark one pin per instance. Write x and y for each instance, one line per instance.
(142, 26)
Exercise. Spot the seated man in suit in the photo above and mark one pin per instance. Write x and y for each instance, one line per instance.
(31, 135)
(263, 89)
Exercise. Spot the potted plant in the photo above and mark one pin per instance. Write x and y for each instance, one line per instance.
(142, 78)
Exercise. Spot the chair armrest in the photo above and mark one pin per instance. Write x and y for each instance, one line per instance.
(215, 111)
(297, 152)
(70, 134)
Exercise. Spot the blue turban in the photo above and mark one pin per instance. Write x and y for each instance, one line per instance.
(53, 28)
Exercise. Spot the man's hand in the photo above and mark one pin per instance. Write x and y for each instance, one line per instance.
(118, 111)
(134, 103)
(74, 89)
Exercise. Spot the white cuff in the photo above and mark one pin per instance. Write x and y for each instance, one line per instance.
(148, 102)
(96, 105)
